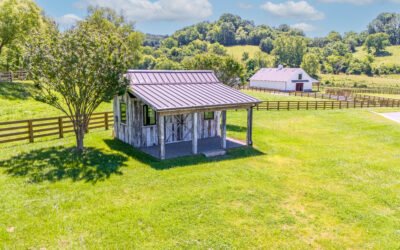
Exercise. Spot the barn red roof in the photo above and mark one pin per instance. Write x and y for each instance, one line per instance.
(173, 90)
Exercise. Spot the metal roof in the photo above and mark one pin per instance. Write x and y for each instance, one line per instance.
(274, 74)
(277, 74)
(174, 90)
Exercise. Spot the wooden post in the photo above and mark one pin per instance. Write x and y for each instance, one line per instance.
(223, 129)
(161, 136)
(194, 133)
(60, 127)
(106, 120)
(249, 138)
(30, 131)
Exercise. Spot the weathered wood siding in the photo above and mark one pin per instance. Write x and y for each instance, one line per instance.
(177, 127)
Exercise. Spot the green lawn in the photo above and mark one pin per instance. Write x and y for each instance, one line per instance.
(314, 180)
(386, 96)
(392, 58)
(17, 102)
(361, 80)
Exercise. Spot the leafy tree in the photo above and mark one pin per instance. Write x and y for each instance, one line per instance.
(289, 51)
(217, 49)
(388, 23)
(166, 64)
(311, 64)
(334, 36)
(378, 42)
(18, 18)
(245, 56)
(169, 43)
(267, 45)
(227, 69)
(78, 69)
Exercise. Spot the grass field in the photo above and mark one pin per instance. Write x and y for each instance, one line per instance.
(237, 51)
(392, 58)
(17, 102)
(361, 80)
(313, 180)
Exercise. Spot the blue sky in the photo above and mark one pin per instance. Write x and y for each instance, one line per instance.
(316, 17)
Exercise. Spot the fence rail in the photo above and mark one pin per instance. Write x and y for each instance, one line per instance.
(351, 91)
(321, 105)
(29, 130)
(11, 76)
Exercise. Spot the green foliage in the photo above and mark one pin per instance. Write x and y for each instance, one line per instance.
(378, 42)
(310, 64)
(289, 51)
(227, 69)
(267, 45)
(387, 23)
(80, 68)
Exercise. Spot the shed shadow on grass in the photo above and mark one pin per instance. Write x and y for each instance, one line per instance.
(185, 161)
(60, 163)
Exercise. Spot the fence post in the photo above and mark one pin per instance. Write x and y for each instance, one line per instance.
(30, 131)
(288, 105)
(267, 106)
(106, 120)
(307, 105)
(279, 105)
(298, 105)
(60, 127)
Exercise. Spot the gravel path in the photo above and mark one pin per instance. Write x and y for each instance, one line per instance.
(395, 116)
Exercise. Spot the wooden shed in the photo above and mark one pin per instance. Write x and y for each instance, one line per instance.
(175, 113)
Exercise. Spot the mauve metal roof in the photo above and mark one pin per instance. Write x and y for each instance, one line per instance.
(172, 90)
(274, 74)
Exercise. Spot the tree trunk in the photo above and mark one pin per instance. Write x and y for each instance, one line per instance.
(80, 135)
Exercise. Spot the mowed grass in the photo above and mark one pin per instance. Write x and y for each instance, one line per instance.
(315, 179)
(266, 96)
(393, 56)
(237, 51)
(361, 80)
(17, 102)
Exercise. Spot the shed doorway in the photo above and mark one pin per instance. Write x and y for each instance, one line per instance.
(299, 86)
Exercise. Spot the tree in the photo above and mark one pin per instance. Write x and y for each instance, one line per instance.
(78, 69)
(267, 45)
(388, 23)
(311, 64)
(227, 69)
(289, 50)
(17, 19)
(378, 42)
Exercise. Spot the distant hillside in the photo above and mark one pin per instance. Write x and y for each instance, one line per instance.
(393, 56)
(237, 51)
(153, 40)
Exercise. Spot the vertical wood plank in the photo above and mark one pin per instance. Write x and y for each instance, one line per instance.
(161, 136)
(249, 140)
(223, 129)
(106, 120)
(30, 131)
(60, 127)
(194, 133)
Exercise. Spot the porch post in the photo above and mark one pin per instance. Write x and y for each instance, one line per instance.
(249, 140)
(161, 136)
(223, 129)
(194, 133)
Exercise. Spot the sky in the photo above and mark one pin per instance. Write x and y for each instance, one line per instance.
(314, 17)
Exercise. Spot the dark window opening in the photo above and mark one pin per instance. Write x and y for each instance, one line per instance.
(208, 115)
(122, 112)
(300, 76)
(149, 116)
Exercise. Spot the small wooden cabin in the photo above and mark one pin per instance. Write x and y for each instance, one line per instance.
(168, 107)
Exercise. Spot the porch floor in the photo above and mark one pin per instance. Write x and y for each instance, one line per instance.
(179, 149)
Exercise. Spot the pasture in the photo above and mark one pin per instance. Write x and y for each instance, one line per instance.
(392, 57)
(237, 51)
(313, 179)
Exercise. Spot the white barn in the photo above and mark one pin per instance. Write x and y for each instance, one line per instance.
(284, 79)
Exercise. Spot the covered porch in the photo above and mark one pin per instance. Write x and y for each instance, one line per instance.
(184, 148)
(196, 145)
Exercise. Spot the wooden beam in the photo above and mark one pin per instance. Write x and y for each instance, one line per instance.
(223, 129)
(194, 133)
(201, 110)
(161, 136)
(249, 140)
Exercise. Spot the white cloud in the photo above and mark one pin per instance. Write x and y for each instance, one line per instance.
(68, 20)
(165, 10)
(360, 2)
(245, 5)
(303, 26)
(301, 10)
